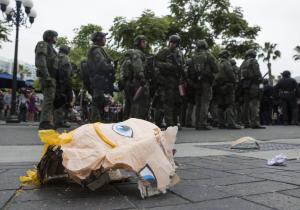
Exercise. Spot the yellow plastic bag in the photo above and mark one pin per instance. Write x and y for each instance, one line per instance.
(31, 178)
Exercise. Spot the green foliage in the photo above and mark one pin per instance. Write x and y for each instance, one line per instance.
(4, 32)
(269, 53)
(83, 35)
(63, 40)
(156, 29)
(37, 85)
(213, 20)
(3, 71)
(297, 56)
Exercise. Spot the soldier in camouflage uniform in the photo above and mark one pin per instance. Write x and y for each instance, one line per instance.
(133, 77)
(203, 67)
(251, 79)
(47, 65)
(169, 62)
(225, 92)
(101, 74)
(64, 94)
(238, 105)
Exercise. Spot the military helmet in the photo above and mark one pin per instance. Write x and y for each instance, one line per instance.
(265, 81)
(224, 54)
(65, 49)
(98, 35)
(233, 62)
(138, 39)
(202, 44)
(49, 34)
(251, 53)
(286, 74)
(175, 39)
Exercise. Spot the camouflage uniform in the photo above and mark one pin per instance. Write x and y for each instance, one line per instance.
(225, 92)
(136, 88)
(47, 64)
(203, 69)
(251, 78)
(101, 75)
(238, 76)
(170, 66)
(64, 94)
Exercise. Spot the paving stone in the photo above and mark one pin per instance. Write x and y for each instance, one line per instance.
(201, 173)
(251, 147)
(255, 171)
(131, 192)
(229, 180)
(56, 192)
(279, 177)
(221, 204)
(255, 188)
(294, 192)
(186, 166)
(292, 166)
(222, 166)
(5, 196)
(192, 191)
(101, 202)
(276, 200)
(18, 166)
(9, 180)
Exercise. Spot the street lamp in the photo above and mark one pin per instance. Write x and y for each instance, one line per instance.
(15, 16)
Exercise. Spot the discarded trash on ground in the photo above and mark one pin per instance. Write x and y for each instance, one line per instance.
(95, 154)
(278, 160)
(245, 143)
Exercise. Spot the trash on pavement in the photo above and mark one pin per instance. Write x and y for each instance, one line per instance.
(95, 154)
(278, 160)
(244, 142)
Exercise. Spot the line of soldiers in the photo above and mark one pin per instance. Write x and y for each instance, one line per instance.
(155, 86)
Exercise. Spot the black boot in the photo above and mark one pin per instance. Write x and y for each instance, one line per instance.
(46, 125)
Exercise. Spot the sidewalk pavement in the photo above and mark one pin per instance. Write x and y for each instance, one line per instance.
(213, 177)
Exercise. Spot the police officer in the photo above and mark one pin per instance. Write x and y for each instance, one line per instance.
(135, 81)
(169, 62)
(47, 65)
(203, 66)
(266, 107)
(64, 94)
(287, 90)
(251, 79)
(225, 92)
(101, 74)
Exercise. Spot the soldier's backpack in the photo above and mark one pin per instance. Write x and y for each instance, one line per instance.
(84, 75)
(201, 66)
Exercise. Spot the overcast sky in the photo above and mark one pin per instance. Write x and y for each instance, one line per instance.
(278, 19)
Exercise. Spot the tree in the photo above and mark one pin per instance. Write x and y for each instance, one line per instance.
(268, 54)
(156, 29)
(63, 40)
(4, 32)
(213, 20)
(297, 56)
(22, 70)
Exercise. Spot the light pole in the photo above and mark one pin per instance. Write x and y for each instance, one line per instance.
(16, 17)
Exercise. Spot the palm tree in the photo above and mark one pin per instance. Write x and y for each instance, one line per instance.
(23, 71)
(268, 54)
(297, 56)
